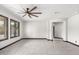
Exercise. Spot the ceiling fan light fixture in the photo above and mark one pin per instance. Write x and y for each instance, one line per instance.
(30, 12)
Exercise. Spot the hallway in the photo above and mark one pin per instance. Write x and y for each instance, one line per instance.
(40, 47)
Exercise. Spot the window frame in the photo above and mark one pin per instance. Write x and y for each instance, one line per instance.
(6, 28)
(15, 28)
(18, 29)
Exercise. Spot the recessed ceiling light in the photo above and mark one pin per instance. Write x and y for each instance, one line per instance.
(56, 12)
(75, 12)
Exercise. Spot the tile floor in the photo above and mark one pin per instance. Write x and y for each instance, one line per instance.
(40, 47)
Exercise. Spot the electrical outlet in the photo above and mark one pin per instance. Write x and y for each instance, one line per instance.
(75, 41)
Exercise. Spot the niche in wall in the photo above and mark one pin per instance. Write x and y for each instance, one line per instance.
(3, 27)
(14, 28)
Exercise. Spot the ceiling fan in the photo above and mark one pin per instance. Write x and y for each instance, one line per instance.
(30, 12)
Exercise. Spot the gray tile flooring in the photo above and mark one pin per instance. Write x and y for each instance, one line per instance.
(40, 47)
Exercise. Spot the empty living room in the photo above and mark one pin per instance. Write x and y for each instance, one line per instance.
(39, 29)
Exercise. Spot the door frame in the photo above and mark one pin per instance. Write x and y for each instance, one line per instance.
(51, 30)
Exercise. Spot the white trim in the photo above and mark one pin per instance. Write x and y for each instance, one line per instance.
(51, 29)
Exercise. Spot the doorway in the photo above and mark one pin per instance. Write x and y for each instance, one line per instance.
(58, 30)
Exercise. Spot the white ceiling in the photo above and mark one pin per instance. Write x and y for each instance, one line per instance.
(49, 11)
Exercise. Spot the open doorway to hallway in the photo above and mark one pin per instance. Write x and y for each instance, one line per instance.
(58, 30)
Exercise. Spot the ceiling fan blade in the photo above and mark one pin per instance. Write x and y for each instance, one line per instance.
(24, 15)
(29, 15)
(20, 12)
(24, 9)
(34, 15)
(33, 8)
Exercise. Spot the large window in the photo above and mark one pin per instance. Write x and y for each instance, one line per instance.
(3, 27)
(14, 28)
(17, 33)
